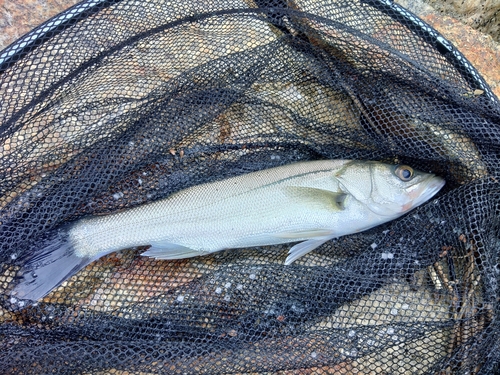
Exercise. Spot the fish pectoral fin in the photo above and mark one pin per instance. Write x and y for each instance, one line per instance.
(168, 250)
(325, 198)
(313, 234)
(303, 248)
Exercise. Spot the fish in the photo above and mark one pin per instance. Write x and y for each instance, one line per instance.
(308, 202)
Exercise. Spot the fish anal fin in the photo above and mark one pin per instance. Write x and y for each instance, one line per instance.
(168, 250)
(303, 248)
(325, 198)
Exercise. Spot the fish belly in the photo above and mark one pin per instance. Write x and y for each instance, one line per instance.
(245, 221)
(249, 210)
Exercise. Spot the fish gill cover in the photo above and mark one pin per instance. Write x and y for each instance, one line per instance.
(113, 104)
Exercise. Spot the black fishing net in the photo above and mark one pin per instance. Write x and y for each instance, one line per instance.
(113, 104)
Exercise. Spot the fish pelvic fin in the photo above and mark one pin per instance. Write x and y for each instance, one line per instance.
(168, 250)
(305, 247)
(325, 199)
(47, 267)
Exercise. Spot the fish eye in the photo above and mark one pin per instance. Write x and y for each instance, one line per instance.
(404, 172)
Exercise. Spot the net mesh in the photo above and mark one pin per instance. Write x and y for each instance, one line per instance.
(113, 104)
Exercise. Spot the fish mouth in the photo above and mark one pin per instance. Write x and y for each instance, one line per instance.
(426, 191)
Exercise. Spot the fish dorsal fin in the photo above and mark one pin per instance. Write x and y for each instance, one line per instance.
(325, 198)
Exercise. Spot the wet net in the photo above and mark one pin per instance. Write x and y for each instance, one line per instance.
(113, 104)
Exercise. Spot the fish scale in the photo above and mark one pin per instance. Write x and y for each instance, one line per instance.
(254, 206)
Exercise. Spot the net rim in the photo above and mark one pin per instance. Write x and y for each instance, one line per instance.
(22, 46)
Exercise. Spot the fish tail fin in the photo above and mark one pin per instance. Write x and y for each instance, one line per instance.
(48, 266)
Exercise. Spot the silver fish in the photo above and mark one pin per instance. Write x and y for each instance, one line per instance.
(307, 202)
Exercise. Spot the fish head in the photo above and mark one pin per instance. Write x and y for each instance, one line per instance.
(388, 190)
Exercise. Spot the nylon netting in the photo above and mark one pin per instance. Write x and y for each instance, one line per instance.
(116, 103)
